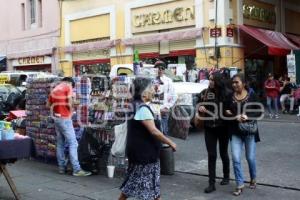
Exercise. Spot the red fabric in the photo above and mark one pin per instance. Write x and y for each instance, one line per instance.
(59, 100)
(187, 52)
(46, 68)
(294, 38)
(277, 43)
(148, 55)
(274, 91)
(91, 62)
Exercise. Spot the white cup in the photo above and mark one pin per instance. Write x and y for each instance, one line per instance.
(110, 171)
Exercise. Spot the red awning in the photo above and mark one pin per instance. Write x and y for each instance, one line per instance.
(294, 38)
(166, 36)
(91, 62)
(276, 42)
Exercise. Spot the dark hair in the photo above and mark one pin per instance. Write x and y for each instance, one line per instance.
(242, 78)
(160, 64)
(70, 80)
(220, 86)
(288, 79)
(139, 85)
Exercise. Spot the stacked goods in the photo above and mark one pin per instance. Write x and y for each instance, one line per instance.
(39, 125)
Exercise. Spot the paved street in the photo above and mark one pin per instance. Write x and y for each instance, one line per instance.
(278, 166)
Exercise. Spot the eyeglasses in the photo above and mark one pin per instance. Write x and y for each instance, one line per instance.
(235, 82)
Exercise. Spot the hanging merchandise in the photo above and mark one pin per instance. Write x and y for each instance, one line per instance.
(39, 125)
(93, 69)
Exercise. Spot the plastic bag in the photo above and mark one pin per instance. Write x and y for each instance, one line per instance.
(119, 145)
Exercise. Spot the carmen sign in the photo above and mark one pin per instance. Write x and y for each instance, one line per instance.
(34, 60)
(31, 60)
(168, 16)
(163, 16)
(260, 14)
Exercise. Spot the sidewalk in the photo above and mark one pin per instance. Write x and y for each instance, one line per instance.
(290, 118)
(37, 181)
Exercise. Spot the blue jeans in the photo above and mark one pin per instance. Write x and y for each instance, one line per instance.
(65, 134)
(237, 143)
(165, 123)
(269, 104)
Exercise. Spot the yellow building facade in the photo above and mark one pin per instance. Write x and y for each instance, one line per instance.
(98, 34)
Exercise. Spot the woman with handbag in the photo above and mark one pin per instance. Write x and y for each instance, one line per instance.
(143, 147)
(244, 110)
(214, 127)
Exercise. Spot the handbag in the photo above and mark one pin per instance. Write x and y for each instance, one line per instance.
(198, 121)
(119, 145)
(198, 118)
(248, 127)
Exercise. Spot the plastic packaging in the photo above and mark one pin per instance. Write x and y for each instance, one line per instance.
(1, 128)
(8, 133)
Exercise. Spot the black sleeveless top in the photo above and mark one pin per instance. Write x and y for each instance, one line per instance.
(142, 147)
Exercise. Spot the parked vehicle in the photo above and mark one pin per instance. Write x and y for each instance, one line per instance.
(10, 98)
(18, 78)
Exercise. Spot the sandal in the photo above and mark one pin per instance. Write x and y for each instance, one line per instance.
(238, 191)
(252, 184)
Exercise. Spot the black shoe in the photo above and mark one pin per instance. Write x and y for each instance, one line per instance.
(225, 181)
(210, 189)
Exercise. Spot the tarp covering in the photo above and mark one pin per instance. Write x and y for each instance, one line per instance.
(166, 36)
(90, 46)
(276, 42)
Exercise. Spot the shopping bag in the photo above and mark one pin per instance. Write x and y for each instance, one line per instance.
(179, 122)
(119, 145)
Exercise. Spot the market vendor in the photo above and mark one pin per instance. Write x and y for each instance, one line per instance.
(167, 95)
(60, 103)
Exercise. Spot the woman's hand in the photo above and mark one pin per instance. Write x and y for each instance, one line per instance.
(239, 118)
(244, 118)
(202, 109)
(173, 146)
(228, 112)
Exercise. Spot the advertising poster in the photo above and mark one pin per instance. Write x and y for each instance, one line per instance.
(291, 67)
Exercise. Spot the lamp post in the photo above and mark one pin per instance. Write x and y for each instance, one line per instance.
(216, 38)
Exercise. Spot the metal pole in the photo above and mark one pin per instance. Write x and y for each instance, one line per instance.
(216, 24)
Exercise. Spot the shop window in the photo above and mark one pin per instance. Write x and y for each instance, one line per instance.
(40, 12)
(32, 7)
(23, 16)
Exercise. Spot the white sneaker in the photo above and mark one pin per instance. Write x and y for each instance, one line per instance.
(270, 116)
(276, 116)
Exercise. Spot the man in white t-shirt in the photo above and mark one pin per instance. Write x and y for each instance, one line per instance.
(166, 93)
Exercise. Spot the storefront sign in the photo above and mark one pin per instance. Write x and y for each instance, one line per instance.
(229, 32)
(35, 60)
(215, 32)
(163, 16)
(260, 14)
(167, 16)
